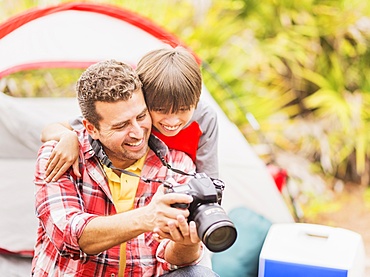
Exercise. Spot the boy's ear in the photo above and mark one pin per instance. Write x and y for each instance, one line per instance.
(90, 128)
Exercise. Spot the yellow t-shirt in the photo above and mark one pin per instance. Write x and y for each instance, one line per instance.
(123, 189)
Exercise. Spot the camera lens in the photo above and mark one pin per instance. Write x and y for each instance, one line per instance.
(215, 228)
(220, 236)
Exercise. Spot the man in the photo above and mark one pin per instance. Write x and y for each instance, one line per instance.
(109, 223)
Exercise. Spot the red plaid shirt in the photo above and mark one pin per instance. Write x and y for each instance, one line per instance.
(65, 207)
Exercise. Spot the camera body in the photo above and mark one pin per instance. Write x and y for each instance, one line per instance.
(203, 190)
(214, 227)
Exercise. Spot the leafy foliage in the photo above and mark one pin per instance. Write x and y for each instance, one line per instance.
(299, 67)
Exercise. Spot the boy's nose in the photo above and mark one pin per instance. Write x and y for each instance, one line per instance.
(172, 120)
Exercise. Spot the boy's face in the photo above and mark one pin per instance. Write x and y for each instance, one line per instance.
(171, 124)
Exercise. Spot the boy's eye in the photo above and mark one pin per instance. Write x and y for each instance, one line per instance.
(184, 109)
(159, 110)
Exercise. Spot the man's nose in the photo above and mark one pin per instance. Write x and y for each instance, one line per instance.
(136, 131)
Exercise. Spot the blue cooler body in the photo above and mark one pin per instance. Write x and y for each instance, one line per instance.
(310, 250)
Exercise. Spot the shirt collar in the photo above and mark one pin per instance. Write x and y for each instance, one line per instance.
(138, 165)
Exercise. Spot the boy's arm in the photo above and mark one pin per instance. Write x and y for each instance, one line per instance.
(65, 153)
(55, 131)
(207, 152)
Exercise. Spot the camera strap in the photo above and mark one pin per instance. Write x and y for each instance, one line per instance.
(158, 147)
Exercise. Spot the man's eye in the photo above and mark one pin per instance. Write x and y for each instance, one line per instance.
(120, 126)
(142, 116)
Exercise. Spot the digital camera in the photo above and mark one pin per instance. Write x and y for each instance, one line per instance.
(215, 228)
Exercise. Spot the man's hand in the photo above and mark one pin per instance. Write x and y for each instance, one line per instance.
(160, 212)
(180, 231)
(185, 245)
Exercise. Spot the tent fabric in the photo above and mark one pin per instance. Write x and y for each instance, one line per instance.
(66, 36)
(13, 266)
(69, 37)
(22, 120)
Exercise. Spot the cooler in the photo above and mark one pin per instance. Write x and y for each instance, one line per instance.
(310, 250)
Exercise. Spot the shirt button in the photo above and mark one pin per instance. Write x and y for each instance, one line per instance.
(112, 275)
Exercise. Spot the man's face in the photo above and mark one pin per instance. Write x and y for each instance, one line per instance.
(124, 129)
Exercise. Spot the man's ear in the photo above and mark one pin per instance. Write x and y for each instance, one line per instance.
(90, 128)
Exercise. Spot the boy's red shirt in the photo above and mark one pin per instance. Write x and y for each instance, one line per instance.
(186, 140)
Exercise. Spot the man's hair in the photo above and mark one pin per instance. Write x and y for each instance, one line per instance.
(171, 79)
(105, 81)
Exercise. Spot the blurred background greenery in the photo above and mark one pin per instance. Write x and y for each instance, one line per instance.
(294, 76)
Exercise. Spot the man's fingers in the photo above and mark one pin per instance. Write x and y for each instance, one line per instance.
(161, 234)
(183, 225)
(193, 232)
(174, 231)
(177, 198)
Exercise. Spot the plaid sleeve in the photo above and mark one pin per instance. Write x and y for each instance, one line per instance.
(59, 207)
(166, 265)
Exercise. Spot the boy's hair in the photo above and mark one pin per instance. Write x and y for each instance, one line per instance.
(171, 79)
(105, 81)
